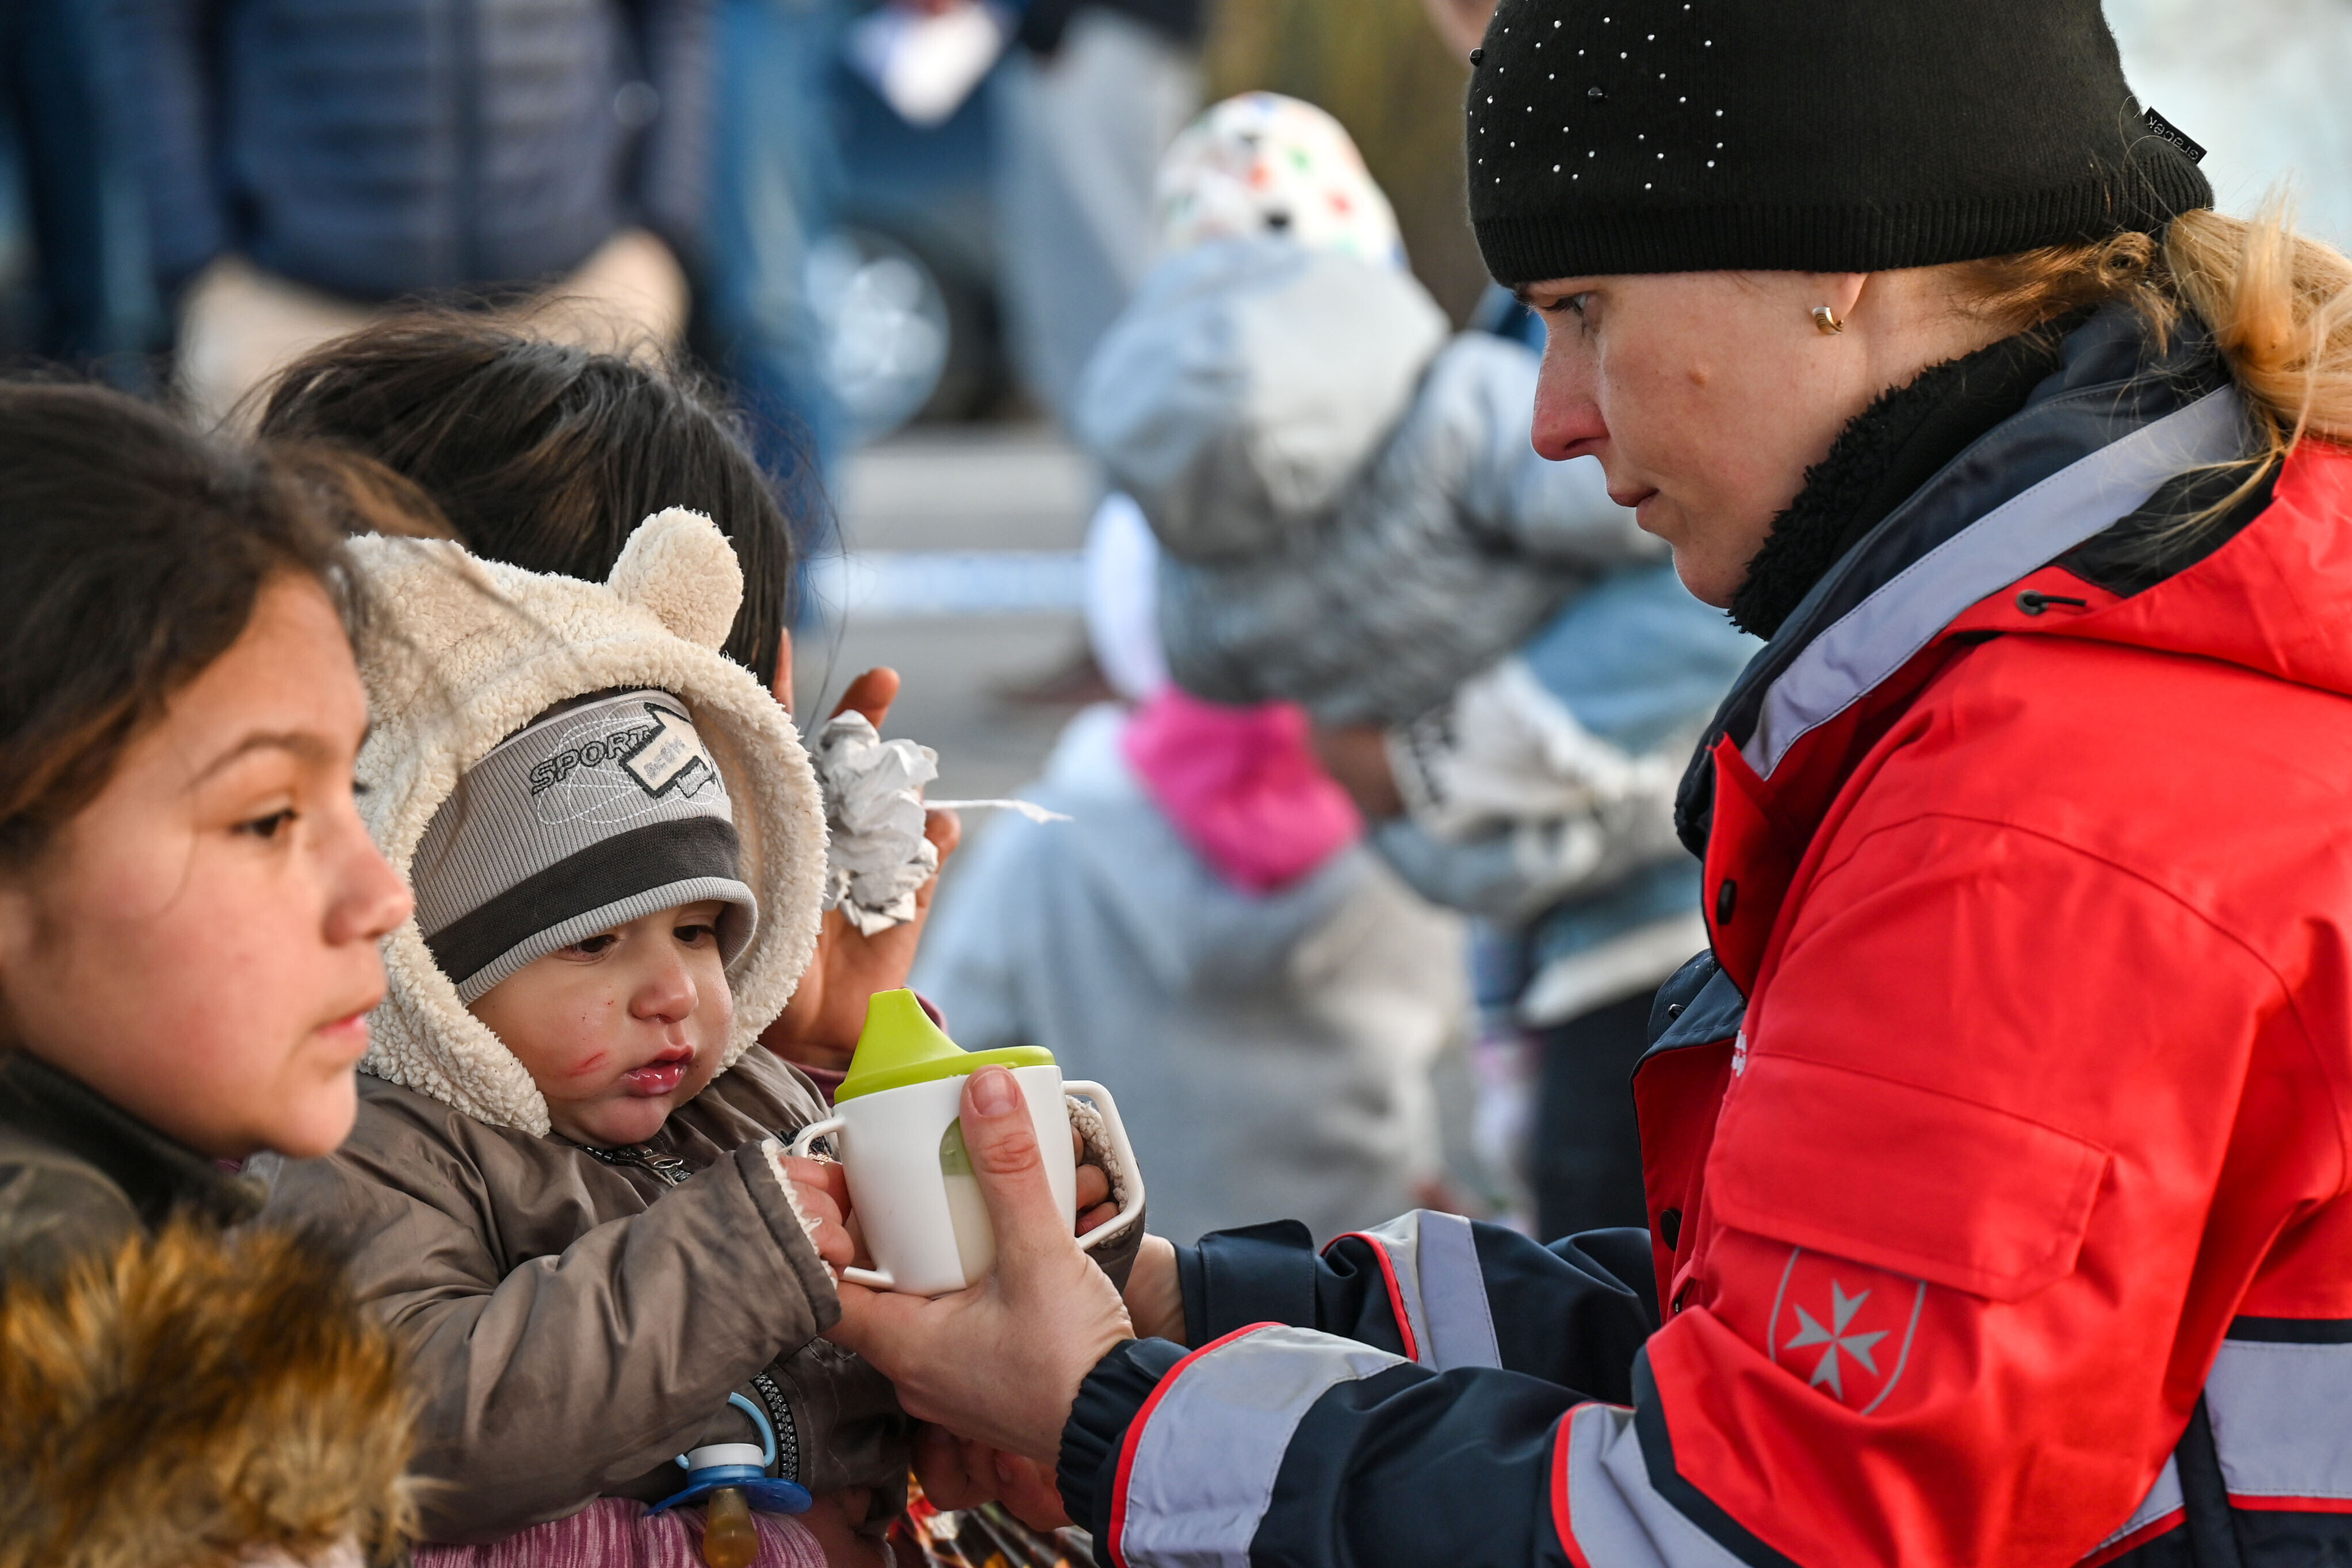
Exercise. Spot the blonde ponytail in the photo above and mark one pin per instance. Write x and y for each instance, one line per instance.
(2279, 305)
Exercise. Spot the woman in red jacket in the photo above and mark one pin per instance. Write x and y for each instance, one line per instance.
(1997, 1153)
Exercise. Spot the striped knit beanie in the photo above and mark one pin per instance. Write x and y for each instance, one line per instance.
(593, 814)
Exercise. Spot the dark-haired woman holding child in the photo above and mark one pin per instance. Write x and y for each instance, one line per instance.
(547, 456)
(552, 458)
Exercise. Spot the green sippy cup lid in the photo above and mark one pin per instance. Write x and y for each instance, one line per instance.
(900, 1046)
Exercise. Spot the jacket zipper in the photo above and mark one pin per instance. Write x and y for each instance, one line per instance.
(671, 1170)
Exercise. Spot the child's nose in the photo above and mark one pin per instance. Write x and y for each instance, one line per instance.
(668, 994)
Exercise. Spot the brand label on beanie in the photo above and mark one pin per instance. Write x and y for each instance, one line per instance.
(2165, 130)
(671, 757)
(661, 755)
(615, 761)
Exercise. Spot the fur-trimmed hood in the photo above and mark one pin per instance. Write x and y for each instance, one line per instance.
(472, 651)
(202, 1400)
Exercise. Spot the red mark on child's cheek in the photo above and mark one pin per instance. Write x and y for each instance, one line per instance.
(588, 1064)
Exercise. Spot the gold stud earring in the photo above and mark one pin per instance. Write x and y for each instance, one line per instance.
(1826, 321)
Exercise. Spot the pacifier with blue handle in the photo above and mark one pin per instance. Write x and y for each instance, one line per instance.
(742, 1466)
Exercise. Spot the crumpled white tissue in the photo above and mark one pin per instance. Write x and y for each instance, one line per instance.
(877, 855)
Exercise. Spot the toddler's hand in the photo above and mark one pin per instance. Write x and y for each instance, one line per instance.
(958, 1473)
(1095, 1206)
(1155, 1292)
(820, 1190)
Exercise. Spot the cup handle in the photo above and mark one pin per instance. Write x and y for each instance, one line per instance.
(1121, 1147)
(811, 1132)
(876, 1278)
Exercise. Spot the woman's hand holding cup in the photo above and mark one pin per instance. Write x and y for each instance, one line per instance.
(821, 1188)
(1000, 1362)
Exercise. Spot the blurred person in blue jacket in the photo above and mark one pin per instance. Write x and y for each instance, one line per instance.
(308, 162)
(1504, 669)
(1086, 96)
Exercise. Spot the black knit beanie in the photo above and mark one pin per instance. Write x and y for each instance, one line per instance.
(1610, 136)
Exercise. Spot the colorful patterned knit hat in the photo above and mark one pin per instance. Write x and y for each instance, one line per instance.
(1260, 162)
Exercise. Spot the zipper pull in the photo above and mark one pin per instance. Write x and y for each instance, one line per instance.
(2033, 603)
(672, 1170)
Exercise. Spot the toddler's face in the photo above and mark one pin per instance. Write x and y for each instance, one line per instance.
(622, 1028)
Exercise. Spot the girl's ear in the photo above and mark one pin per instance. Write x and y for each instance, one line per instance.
(782, 687)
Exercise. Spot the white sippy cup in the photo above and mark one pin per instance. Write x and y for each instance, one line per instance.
(896, 1125)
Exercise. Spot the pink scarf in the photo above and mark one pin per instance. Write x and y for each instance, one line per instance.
(1241, 785)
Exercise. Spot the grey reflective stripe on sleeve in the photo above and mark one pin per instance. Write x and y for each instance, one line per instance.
(1614, 1516)
(2163, 1501)
(1433, 1260)
(1198, 1476)
(2280, 1424)
(1877, 637)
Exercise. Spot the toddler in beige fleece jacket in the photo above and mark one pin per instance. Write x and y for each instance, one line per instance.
(566, 1189)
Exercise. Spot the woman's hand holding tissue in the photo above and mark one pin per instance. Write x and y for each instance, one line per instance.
(820, 1024)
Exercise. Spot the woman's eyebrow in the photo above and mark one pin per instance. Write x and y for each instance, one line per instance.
(302, 743)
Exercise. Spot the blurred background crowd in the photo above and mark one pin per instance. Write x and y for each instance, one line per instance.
(904, 234)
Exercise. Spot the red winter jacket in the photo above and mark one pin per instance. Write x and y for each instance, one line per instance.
(2007, 1222)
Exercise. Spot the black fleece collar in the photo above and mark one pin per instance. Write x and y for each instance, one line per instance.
(1889, 450)
(157, 1173)
(2110, 379)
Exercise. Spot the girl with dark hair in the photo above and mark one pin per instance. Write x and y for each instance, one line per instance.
(189, 913)
(547, 456)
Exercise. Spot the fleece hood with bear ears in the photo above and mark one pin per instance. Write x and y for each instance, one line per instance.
(470, 651)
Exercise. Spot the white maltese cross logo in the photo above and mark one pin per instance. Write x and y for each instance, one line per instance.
(1810, 1331)
(1857, 1350)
